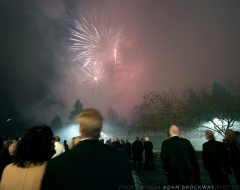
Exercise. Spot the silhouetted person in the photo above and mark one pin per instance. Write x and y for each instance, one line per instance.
(90, 165)
(149, 159)
(4, 154)
(116, 143)
(129, 149)
(102, 141)
(137, 150)
(65, 145)
(12, 151)
(33, 151)
(233, 138)
(123, 145)
(178, 159)
(108, 143)
(215, 160)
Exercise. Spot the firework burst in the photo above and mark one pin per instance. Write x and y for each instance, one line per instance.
(93, 37)
(101, 51)
(93, 76)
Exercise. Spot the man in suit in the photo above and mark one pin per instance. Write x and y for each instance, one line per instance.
(216, 161)
(90, 164)
(137, 150)
(178, 159)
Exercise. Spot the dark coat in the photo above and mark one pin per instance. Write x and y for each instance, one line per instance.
(178, 158)
(137, 150)
(89, 165)
(148, 146)
(116, 144)
(234, 155)
(215, 157)
(128, 147)
(4, 154)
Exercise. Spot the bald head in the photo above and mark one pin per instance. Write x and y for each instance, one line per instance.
(174, 131)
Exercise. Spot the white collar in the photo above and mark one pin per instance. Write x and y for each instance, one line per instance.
(84, 139)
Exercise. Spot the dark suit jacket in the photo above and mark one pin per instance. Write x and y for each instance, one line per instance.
(178, 158)
(215, 154)
(116, 144)
(148, 146)
(89, 165)
(137, 150)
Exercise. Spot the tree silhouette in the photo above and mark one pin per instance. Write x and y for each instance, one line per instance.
(56, 123)
(78, 108)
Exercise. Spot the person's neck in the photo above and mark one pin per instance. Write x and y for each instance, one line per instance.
(84, 138)
(174, 135)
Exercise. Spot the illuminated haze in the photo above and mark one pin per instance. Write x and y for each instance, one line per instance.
(181, 42)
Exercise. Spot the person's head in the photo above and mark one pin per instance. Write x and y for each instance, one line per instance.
(74, 142)
(229, 134)
(174, 131)
(13, 148)
(115, 139)
(64, 142)
(35, 146)
(70, 146)
(236, 138)
(102, 141)
(137, 138)
(90, 123)
(146, 139)
(57, 139)
(181, 136)
(122, 141)
(209, 135)
(16, 139)
(126, 140)
(108, 143)
(6, 142)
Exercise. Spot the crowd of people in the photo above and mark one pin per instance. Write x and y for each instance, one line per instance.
(38, 160)
(180, 163)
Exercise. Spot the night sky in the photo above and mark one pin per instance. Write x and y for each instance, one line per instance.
(181, 42)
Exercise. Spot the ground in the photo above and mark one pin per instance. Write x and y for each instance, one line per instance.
(157, 179)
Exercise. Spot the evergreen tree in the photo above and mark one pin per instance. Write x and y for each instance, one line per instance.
(78, 108)
(56, 123)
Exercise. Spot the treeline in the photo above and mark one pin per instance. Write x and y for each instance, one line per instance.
(194, 108)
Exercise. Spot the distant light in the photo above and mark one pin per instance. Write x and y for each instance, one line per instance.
(9, 119)
(95, 78)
